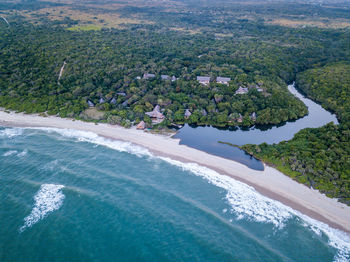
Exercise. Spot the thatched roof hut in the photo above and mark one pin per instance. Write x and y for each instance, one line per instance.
(165, 77)
(240, 119)
(113, 101)
(155, 113)
(253, 116)
(204, 80)
(125, 103)
(241, 90)
(148, 76)
(141, 125)
(187, 113)
(223, 80)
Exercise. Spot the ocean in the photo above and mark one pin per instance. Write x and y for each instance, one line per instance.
(69, 195)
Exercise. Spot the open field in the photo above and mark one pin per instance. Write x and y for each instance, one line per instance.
(110, 14)
(320, 23)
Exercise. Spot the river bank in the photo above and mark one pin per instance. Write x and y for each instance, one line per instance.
(269, 182)
(206, 138)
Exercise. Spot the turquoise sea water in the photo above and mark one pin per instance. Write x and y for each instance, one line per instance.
(74, 196)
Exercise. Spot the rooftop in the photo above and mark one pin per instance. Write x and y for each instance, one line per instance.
(223, 79)
(203, 78)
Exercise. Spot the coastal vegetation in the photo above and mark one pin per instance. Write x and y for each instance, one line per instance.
(318, 157)
(107, 48)
(105, 64)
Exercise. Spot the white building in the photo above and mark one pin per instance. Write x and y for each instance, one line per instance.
(223, 80)
(204, 80)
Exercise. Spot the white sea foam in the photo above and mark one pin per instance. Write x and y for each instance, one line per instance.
(11, 132)
(336, 238)
(245, 201)
(10, 153)
(84, 136)
(46, 200)
(23, 153)
(13, 152)
(54, 165)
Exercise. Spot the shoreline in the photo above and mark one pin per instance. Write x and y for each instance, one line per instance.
(270, 182)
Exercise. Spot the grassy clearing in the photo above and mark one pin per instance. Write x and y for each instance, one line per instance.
(320, 23)
(85, 28)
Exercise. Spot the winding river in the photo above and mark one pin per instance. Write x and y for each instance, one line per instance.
(206, 138)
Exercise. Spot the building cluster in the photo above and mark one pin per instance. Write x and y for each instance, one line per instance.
(239, 119)
(156, 114)
(148, 76)
(205, 80)
(244, 90)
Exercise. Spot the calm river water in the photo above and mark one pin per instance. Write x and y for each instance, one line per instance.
(206, 138)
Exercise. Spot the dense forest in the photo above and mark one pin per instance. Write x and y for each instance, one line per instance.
(87, 59)
(104, 67)
(318, 157)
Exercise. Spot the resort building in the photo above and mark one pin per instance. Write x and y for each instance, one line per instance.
(141, 125)
(204, 80)
(253, 116)
(258, 88)
(125, 103)
(241, 90)
(240, 119)
(165, 77)
(223, 80)
(148, 76)
(113, 101)
(90, 103)
(101, 100)
(187, 113)
(156, 115)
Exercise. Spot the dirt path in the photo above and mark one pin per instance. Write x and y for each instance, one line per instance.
(61, 72)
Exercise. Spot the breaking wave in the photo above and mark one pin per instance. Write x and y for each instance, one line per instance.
(244, 200)
(336, 238)
(84, 136)
(23, 153)
(11, 132)
(10, 153)
(15, 152)
(247, 203)
(48, 199)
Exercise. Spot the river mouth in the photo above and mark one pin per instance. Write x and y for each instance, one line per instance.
(206, 138)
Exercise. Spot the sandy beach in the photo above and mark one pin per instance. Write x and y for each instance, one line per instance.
(269, 182)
